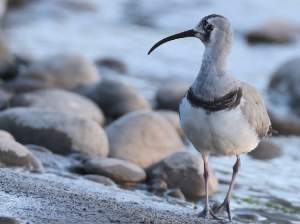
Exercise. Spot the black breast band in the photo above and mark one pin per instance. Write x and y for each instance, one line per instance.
(229, 101)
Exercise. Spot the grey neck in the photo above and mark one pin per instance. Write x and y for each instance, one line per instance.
(214, 62)
(213, 81)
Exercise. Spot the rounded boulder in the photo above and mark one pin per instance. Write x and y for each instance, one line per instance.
(65, 71)
(116, 169)
(61, 100)
(184, 170)
(115, 98)
(62, 133)
(13, 154)
(5, 134)
(173, 118)
(169, 95)
(284, 85)
(266, 150)
(143, 138)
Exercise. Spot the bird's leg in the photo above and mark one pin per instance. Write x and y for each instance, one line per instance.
(207, 212)
(226, 204)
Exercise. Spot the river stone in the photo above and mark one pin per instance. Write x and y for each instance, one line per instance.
(143, 138)
(184, 170)
(5, 134)
(266, 150)
(8, 220)
(60, 100)
(13, 154)
(173, 118)
(117, 169)
(175, 193)
(284, 85)
(112, 64)
(278, 32)
(285, 125)
(54, 163)
(21, 85)
(99, 179)
(115, 98)
(65, 71)
(7, 65)
(62, 133)
(170, 94)
(4, 97)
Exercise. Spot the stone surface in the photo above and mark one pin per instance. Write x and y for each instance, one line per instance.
(20, 85)
(5, 96)
(62, 133)
(65, 71)
(158, 185)
(175, 193)
(5, 134)
(285, 125)
(266, 150)
(274, 32)
(173, 118)
(54, 163)
(115, 98)
(8, 220)
(113, 64)
(143, 138)
(13, 153)
(284, 85)
(99, 179)
(61, 100)
(7, 67)
(184, 170)
(169, 95)
(116, 169)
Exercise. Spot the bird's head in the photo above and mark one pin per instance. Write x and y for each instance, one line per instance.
(214, 31)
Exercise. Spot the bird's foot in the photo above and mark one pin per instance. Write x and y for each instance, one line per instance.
(225, 206)
(208, 214)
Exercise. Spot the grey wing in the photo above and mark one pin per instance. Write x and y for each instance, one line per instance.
(255, 111)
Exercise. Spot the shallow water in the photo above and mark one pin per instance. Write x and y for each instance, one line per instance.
(126, 30)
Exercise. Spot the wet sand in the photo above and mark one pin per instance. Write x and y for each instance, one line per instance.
(35, 198)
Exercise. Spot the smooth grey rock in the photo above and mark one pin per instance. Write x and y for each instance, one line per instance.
(8, 220)
(65, 71)
(266, 150)
(21, 85)
(7, 66)
(143, 138)
(184, 170)
(117, 169)
(5, 134)
(274, 32)
(53, 162)
(112, 64)
(13, 154)
(175, 193)
(169, 95)
(173, 118)
(62, 133)
(115, 98)
(158, 185)
(99, 179)
(284, 85)
(5, 95)
(61, 100)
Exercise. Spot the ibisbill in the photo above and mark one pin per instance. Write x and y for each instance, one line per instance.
(220, 113)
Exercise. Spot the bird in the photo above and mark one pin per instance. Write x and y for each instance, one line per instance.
(220, 113)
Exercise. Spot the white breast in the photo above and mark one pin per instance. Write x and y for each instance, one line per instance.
(225, 132)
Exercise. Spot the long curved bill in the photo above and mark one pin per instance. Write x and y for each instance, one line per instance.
(189, 33)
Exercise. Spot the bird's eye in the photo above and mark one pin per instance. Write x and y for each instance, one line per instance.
(209, 27)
